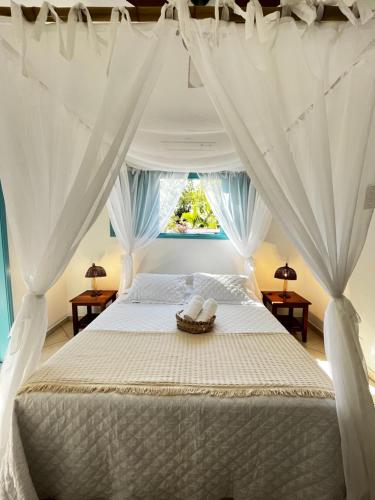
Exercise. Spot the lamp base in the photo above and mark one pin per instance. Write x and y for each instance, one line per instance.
(95, 293)
(285, 295)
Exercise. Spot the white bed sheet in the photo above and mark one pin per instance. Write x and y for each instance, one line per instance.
(123, 316)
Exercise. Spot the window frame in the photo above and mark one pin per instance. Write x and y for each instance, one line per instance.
(185, 236)
(195, 236)
(6, 299)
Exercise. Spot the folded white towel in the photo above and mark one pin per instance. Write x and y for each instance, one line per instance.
(193, 308)
(208, 310)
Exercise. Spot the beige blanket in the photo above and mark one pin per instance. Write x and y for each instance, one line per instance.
(224, 365)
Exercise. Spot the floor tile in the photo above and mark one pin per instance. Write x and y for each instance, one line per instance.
(67, 326)
(314, 341)
(317, 355)
(48, 351)
(56, 337)
(56, 340)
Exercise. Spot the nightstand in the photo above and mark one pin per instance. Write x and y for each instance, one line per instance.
(293, 301)
(86, 299)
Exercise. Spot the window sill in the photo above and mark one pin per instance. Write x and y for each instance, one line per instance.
(194, 236)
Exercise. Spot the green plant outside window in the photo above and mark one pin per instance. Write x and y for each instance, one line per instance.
(193, 216)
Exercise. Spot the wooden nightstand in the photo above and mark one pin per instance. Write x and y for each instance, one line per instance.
(294, 301)
(86, 299)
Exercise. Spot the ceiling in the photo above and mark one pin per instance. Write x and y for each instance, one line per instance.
(180, 125)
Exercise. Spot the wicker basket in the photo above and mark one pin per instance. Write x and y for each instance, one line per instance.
(187, 325)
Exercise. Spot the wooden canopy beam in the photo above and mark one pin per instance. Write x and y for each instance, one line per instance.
(149, 11)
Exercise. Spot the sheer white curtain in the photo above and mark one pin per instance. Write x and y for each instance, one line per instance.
(241, 212)
(139, 207)
(65, 126)
(298, 104)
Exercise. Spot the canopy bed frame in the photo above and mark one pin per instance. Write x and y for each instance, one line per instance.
(290, 95)
(149, 11)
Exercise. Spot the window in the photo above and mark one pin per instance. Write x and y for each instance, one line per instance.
(193, 216)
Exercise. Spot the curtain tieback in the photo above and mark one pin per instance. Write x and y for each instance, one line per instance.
(346, 305)
(75, 16)
(348, 13)
(41, 21)
(341, 306)
(248, 15)
(263, 25)
(36, 295)
(118, 15)
(302, 9)
(127, 271)
(249, 265)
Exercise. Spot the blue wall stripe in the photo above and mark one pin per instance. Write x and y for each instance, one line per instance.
(6, 301)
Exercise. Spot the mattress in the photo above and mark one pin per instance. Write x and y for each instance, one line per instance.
(120, 446)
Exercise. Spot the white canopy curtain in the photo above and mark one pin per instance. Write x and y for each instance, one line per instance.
(139, 207)
(241, 212)
(298, 104)
(64, 131)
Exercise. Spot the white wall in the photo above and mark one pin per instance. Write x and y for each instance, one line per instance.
(163, 255)
(99, 248)
(188, 256)
(275, 251)
(56, 296)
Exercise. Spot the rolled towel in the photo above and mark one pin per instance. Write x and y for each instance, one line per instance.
(193, 308)
(208, 310)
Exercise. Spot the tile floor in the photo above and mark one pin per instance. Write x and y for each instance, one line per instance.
(64, 333)
(55, 340)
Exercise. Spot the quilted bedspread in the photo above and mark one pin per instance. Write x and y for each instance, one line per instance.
(124, 445)
(222, 365)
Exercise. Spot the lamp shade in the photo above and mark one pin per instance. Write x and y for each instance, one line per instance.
(95, 272)
(285, 273)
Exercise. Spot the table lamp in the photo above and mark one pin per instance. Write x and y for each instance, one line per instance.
(95, 272)
(285, 273)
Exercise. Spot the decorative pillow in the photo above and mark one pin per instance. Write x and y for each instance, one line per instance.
(224, 288)
(150, 288)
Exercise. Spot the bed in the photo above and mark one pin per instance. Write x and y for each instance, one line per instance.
(133, 409)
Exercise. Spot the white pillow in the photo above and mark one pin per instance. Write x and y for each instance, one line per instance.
(150, 288)
(224, 288)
